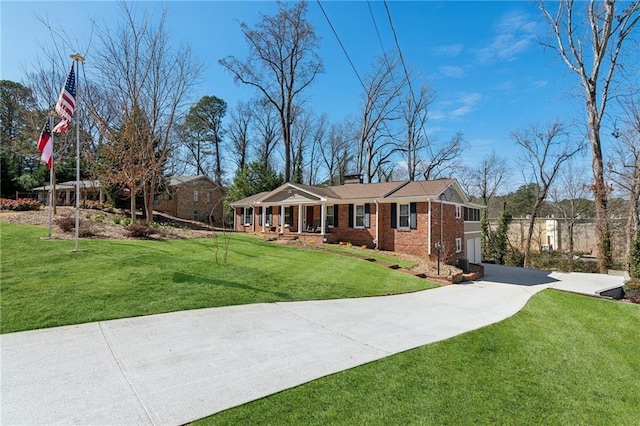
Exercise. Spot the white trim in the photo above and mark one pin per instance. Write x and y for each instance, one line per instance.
(408, 227)
(323, 213)
(458, 245)
(355, 215)
(375, 202)
(429, 228)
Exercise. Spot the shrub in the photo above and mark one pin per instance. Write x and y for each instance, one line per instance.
(139, 230)
(632, 284)
(87, 229)
(66, 223)
(633, 296)
(117, 220)
(21, 204)
(514, 259)
(126, 221)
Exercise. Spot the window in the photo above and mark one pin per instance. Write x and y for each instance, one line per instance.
(288, 213)
(359, 216)
(329, 221)
(195, 196)
(458, 245)
(196, 216)
(208, 197)
(403, 216)
(458, 212)
(269, 216)
(248, 216)
(471, 214)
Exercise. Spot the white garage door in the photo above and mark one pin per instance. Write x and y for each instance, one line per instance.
(474, 250)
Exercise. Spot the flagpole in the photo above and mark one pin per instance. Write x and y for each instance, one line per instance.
(77, 58)
(51, 184)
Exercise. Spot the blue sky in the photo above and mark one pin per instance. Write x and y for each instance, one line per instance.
(482, 59)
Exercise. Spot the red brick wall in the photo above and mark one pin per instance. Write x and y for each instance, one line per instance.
(411, 241)
(452, 228)
(355, 236)
(414, 241)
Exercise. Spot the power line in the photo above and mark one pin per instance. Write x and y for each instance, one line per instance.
(341, 45)
(375, 25)
(404, 65)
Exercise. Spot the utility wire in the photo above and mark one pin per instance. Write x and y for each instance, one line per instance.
(341, 45)
(404, 65)
(375, 25)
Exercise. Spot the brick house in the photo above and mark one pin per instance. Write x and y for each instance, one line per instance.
(407, 217)
(192, 197)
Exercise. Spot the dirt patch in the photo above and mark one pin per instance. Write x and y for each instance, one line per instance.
(99, 224)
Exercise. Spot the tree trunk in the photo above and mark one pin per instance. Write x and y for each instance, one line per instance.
(600, 192)
(133, 202)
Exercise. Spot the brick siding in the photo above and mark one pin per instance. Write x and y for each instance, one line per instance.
(411, 241)
(182, 204)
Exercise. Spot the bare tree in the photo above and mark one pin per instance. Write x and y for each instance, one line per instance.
(282, 63)
(318, 139)
(376, 142)
(238, 133)
(485, 182)
(624, 168)
(146, 83)
(336, 153)
(268, 128)
(300, 140)
(544, 152)
(570, 198)
(594, 52)
(415, 112)
(442, 158)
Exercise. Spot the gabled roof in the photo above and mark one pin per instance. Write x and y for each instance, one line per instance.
(429, 188)
(354, 192)
(179, 180)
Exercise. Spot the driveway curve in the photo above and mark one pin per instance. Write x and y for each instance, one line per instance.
(170, 369)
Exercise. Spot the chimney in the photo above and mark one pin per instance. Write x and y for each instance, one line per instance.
(352, 179)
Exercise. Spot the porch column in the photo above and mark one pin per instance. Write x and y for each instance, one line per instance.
(323, 214)
(281, 219)
(264, 218)
(67, 197)
(235, 213)
(300, 219)
(101, 195)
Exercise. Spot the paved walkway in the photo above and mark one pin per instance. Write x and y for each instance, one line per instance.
(173, 368)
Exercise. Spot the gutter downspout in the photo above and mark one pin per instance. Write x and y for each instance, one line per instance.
(377, 221)
(429, 228)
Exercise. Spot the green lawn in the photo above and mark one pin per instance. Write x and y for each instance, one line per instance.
(380, 256)
(44, 284)
(564, 359)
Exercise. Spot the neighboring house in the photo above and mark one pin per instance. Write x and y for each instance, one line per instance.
(192, 197)
(66, 192)
(396, 216)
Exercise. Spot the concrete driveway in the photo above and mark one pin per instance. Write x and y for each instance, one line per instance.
(177, 367)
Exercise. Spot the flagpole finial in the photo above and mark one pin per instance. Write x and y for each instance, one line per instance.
(77, 57)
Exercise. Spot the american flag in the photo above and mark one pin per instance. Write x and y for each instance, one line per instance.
(45, 144)
(66, 103)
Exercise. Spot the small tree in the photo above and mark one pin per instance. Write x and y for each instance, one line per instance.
(499, 239)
